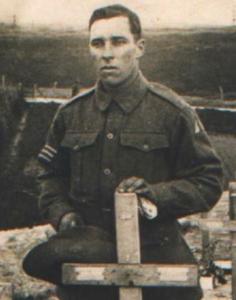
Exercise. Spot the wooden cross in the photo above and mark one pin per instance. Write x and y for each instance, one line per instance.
(129, 274)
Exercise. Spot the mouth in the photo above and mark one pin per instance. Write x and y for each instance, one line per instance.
(108, 68)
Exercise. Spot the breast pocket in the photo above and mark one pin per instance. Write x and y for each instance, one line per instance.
(144, 154)
(82, 152)
(144, 142)
(76, 141)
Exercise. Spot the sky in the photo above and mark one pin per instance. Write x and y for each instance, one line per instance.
(153, 13)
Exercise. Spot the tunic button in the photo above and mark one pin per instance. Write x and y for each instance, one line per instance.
(146, 147)
(110, 136)
(107, 172)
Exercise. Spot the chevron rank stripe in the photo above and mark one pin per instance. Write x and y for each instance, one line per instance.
(47, 153)
(50, 149)
(44, 157)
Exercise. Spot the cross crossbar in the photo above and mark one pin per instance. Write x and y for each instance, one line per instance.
(133, 275)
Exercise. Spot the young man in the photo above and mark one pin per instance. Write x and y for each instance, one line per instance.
(130, 135)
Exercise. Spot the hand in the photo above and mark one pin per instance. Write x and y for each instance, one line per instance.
(145, 194)
(137, 185)
(69, 221)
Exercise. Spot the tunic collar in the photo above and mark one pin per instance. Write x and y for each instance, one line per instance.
(127, 97)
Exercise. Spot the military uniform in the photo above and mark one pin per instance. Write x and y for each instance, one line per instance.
(146, 130)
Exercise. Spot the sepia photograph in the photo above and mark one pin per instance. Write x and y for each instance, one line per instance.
(118, 150)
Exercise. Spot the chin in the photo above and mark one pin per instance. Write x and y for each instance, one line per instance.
(111, 81)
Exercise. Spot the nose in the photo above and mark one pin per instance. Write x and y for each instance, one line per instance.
(107, 51)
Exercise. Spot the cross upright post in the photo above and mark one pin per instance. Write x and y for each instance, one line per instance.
(127, 238)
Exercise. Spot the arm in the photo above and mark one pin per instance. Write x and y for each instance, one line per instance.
(196, 182)
(54, 174)
(197, 172)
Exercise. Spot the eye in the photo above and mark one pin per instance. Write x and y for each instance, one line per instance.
(119, 41)
(97, 43)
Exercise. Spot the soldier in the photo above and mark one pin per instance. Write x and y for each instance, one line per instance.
(130, 135)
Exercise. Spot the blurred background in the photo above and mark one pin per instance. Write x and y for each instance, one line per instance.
(44, 60)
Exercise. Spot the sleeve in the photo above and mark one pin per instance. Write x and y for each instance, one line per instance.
(197, 175)
(54, 174)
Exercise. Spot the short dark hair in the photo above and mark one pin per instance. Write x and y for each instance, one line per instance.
(118, 10)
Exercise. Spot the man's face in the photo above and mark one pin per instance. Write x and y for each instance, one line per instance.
(114, 49)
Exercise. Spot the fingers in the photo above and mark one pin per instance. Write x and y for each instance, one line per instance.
(135, 185)
(130, 185)
(124, 185)
(142, 191)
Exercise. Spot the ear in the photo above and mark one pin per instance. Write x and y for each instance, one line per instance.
(140, 48)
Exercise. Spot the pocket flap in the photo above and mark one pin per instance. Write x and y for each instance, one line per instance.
(144, 141)
(76, 140)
